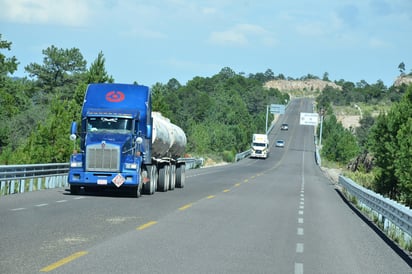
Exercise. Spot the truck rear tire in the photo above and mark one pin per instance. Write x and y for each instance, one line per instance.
(180, 176)
(150, 187)
(164, 173)
(172, 182)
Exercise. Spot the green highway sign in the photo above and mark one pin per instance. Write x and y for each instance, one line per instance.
(277, 109)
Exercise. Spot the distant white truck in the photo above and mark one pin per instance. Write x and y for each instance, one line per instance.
(260, 146)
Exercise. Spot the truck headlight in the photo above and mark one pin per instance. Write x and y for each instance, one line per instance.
(76, 164)
(130, 165)
(76, 160)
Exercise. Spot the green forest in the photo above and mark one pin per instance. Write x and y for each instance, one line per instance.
(219, 114)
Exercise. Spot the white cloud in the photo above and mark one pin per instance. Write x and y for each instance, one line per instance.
(311, 29)
(229, 37)
(139, 31)
(242, 35)
(62, 12)
(209, 11)
(378, 43)
(181, 64)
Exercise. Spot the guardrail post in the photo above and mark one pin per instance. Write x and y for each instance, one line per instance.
(58, 181)
(2, 187)
(31, 185)
(47, 183)
(39, 181)
(11, 189)
(53, 181)
(21, 185)
(63, 180)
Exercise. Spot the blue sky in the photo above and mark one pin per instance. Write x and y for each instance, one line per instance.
(154, 41)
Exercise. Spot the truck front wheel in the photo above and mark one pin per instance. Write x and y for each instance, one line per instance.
(150, 187)
(74, 190)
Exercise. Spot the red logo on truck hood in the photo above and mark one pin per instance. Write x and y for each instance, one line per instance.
(115, 96)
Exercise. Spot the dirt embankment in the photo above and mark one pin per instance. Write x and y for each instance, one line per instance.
(349, 121)
(301, 85)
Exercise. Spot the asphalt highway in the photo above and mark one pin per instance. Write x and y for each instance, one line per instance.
(279, 215)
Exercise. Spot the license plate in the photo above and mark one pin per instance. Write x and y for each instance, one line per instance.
(102, 182)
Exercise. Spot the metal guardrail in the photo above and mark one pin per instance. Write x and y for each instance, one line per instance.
(22, 178)
(13, 172)
(387, 209)
(242, 155)
(26, 178)
(192, 163)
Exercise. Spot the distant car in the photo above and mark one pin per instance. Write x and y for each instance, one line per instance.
(280, 143)
(284, 127)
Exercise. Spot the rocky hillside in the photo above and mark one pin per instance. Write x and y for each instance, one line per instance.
(405, 79)
(300, 85)
(319, 85)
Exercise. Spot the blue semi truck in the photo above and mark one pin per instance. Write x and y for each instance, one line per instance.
(124, 145)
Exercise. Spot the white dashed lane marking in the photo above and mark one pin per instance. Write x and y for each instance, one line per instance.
(41, 205)
(299, 248)
(300, 230)
(46, 204)
(17, 209)
(298, 268)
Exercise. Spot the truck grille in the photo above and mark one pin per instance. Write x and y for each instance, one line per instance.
(100, 158)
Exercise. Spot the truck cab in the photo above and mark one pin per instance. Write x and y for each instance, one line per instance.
(124, 145)
(260, 146)
(115, 135)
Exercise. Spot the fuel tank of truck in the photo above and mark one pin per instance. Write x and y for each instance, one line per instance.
(168, 140)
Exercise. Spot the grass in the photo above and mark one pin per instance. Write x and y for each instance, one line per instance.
(375, 109)
(330, 164)
(361, 178)
(372, 109)
(346, 110)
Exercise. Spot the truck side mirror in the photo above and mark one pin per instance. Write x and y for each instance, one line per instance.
(73, 131)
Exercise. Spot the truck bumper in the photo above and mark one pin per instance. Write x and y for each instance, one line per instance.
(256, 155)
(103, 179)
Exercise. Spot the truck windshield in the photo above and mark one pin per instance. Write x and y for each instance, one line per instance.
(118, 125)
(259, 144)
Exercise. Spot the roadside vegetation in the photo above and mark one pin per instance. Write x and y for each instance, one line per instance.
(378, 152)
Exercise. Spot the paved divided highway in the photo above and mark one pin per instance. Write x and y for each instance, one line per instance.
(279, 215)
